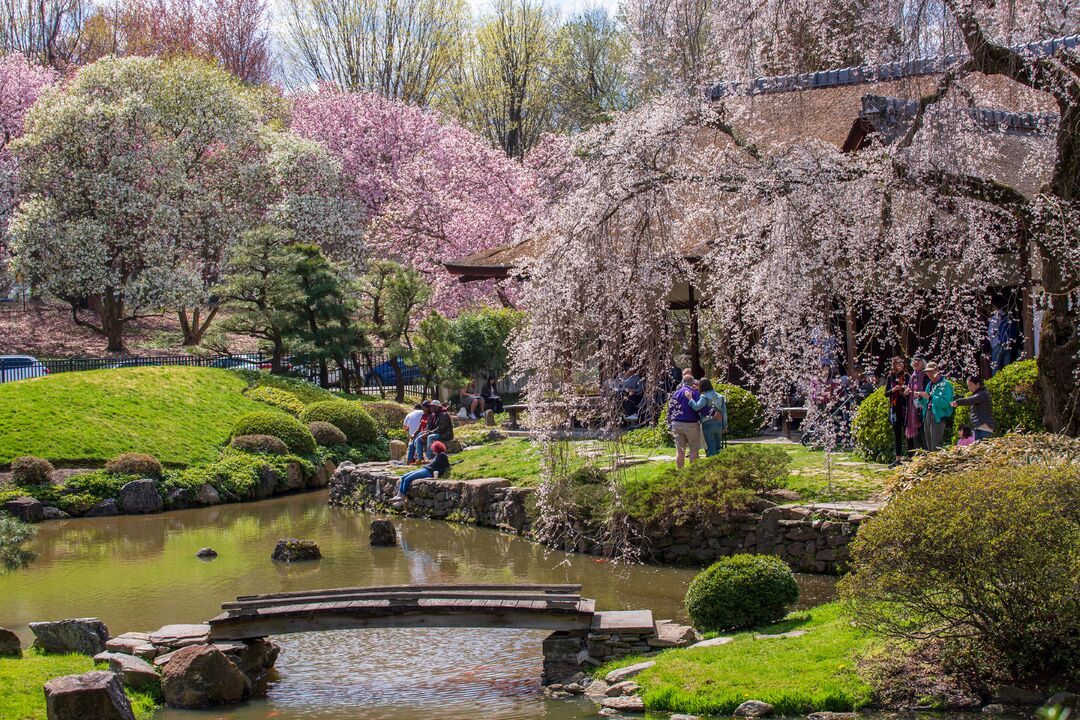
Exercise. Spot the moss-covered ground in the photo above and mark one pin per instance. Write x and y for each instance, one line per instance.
(797, 675)
(22, 680)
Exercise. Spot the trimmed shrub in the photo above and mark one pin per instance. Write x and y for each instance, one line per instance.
(327, 433)
(741, 591)
(349, 417)
(284, 427)
(1015, 395)
(388, 416)
(745, 414)
(266, 444)
(29, 470)
(236, 473)
(305, 391)
(985, 560)
(282, 399)
(134, 464)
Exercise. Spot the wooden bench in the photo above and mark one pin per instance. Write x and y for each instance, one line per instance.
(513, 411)
(787, 414)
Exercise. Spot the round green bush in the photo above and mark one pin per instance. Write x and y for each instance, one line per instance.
(267, 444)
(284, 427)
(327, 434)
(745, 415)
(349, 417)
(134, 464)
(741, 591)
(1014, 392)
(30, 470)
(387, 415)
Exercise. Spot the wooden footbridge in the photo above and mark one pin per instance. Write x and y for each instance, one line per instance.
(540, 607)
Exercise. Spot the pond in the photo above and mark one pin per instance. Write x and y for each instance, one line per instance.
(140, 572)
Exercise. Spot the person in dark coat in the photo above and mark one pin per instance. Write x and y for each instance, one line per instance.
(895, 384)
(982, 409)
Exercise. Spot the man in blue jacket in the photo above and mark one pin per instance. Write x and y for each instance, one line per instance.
(684, 421)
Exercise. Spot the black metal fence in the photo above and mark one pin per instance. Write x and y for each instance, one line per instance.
(374, 375)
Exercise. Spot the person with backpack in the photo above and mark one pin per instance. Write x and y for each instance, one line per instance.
(712, 410)
(684, 421)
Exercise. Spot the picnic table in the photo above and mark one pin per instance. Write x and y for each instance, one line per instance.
(513, 411)
(787, 414)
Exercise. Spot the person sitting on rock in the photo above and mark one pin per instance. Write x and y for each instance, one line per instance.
(438, 467)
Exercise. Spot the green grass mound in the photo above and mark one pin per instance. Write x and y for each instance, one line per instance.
(286, 428)
(327, 434)
(180, 415)
(21, 680)
(350, 418)
(796, 675)
(281, 399)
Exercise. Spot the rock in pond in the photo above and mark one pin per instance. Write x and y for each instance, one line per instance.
(76, 635)
(179, 499)
(993, 709)
(383, 533)
(26, 508)
(53, 513)
(627, 703)
(754, 709)
(206, 553)
(97, 695)
(201, 675)
(617, 676)
(293, 550)
(9, 644)
(626, 687)
(207, 495)
(140, 497)
(134, 673)
(104, 508)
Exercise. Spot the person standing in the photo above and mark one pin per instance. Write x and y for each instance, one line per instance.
(982, 409)
(895, 384)
(411, 426)
(935, 402)
(999, 331)
(712, 410)
(684, 422)
(913, 421)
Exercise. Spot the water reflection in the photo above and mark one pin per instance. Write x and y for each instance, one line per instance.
(138, 573)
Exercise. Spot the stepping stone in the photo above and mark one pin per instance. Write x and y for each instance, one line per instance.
(98, 695)
(626, 687)
(623, 622)
(178, 636)
(617, 676)
(713, 642)
(127, 642)
(789, 634)
(629, 703)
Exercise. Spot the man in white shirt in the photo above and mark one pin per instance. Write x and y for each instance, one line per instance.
(411, 426)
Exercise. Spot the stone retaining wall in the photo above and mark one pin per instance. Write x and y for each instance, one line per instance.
(810, 538)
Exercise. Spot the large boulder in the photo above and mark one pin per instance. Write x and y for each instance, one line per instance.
(293, 550)
(754, 709)
(322, 475)
(207, 495)
(267, 482)
(26, 509)
(670, 634)
(9, 644)
(75, 635)
(97, 695)
(201, 675)
(139, 497)
(383, 533)
(104, 508)
(254, 657)
(53, 513)
(180, 498)
(134, 672)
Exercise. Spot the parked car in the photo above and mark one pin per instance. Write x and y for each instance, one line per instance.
(20, 367)
(383, 374)
(241, 362)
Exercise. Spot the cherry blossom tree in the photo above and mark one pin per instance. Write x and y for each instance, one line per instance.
(21, 82)
(433, 190)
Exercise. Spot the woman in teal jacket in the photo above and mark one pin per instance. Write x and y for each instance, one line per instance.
(712, 407)
(935, 402)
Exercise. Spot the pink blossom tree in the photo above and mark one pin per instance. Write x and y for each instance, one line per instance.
(433, 190)
(21, 82)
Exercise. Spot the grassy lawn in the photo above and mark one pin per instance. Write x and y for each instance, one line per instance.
(797, 675)
(22, 679)
(517, 460)
(181, 415)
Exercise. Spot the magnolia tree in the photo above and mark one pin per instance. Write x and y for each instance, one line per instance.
(434, 191)
(21, 82)
(781, 241)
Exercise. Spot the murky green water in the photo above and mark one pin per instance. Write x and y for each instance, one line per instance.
(138, 573)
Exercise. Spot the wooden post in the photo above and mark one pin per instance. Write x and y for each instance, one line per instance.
(695, 336)
(849, 332)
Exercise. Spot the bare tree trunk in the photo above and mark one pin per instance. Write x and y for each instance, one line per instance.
(194, 330)
(1059, 345)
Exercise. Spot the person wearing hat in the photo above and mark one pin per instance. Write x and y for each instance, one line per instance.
(415, 449)
(439, 427)
(438, 467)
(935, 403)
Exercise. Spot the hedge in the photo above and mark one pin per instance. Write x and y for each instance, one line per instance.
(284, 427)
(349, 417)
